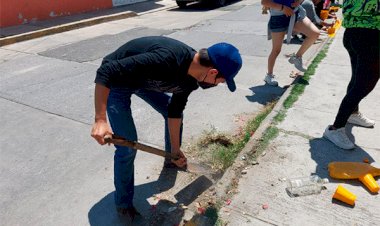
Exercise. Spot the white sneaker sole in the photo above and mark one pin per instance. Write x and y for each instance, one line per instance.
(361, 125)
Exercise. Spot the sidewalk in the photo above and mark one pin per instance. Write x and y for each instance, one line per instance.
(300, 150)
(13, 34)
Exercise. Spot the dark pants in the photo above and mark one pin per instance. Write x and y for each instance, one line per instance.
(363, 47)
(121, 120)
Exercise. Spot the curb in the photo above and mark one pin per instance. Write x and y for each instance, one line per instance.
(232, 175)
(66, 27)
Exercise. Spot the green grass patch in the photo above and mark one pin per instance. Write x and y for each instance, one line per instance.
(225, 156)
(269, 134)
(281, 115)
(220, 150)
(253, 124)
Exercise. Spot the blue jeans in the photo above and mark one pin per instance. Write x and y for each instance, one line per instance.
(121, 120)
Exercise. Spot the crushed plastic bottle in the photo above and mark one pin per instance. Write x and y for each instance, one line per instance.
(303, 186)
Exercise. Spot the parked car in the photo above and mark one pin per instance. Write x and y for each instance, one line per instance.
(217, 3)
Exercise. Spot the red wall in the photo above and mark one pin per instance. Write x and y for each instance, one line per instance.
(16, 12)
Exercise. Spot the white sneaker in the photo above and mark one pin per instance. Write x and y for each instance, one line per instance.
(360, 120)
(297, 61)
(339, 138)
(270, 80)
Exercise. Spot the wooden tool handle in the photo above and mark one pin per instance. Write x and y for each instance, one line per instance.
(118, 140)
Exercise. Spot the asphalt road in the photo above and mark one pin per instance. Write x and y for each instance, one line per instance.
(52, 172)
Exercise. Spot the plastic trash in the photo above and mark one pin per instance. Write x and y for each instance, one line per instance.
(303, 186)
(356, 170)
(344, 195)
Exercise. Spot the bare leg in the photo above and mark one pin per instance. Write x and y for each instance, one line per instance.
(307, 28)
(277, 39)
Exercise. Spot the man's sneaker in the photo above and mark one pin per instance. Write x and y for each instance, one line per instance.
(339, 138)
(360, 120)
(270, 80)
(297, 61)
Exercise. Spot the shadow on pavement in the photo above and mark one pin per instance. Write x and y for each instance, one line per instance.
(300, 80)
(264, 94)
(165, 212)
(170, 213)
(188, 194)
(104, 212)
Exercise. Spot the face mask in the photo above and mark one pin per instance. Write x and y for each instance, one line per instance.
(205, 85)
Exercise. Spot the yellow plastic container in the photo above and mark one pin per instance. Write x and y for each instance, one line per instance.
(324, 14)
(331, 30)
(337, 24)
(370, 183)
(344, 195)
(356, 170)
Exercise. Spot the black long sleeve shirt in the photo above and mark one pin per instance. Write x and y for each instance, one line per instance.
(155, 63)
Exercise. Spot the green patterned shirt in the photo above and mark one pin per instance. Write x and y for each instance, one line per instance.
(361, 13)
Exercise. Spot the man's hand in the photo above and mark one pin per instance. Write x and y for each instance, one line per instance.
(182, 160)
(99, 129)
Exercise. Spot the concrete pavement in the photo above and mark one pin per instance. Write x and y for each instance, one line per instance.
(36, 29)
(300, 150)
(53, 173)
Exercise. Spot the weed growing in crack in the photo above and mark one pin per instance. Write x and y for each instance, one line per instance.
(220, 149)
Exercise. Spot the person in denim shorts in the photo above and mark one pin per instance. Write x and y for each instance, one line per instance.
(281, 13)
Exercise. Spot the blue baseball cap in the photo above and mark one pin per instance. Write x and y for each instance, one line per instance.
(227, 60)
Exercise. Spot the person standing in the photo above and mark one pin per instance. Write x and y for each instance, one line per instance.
(280, 22)
(163, 72)
(361, 39)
